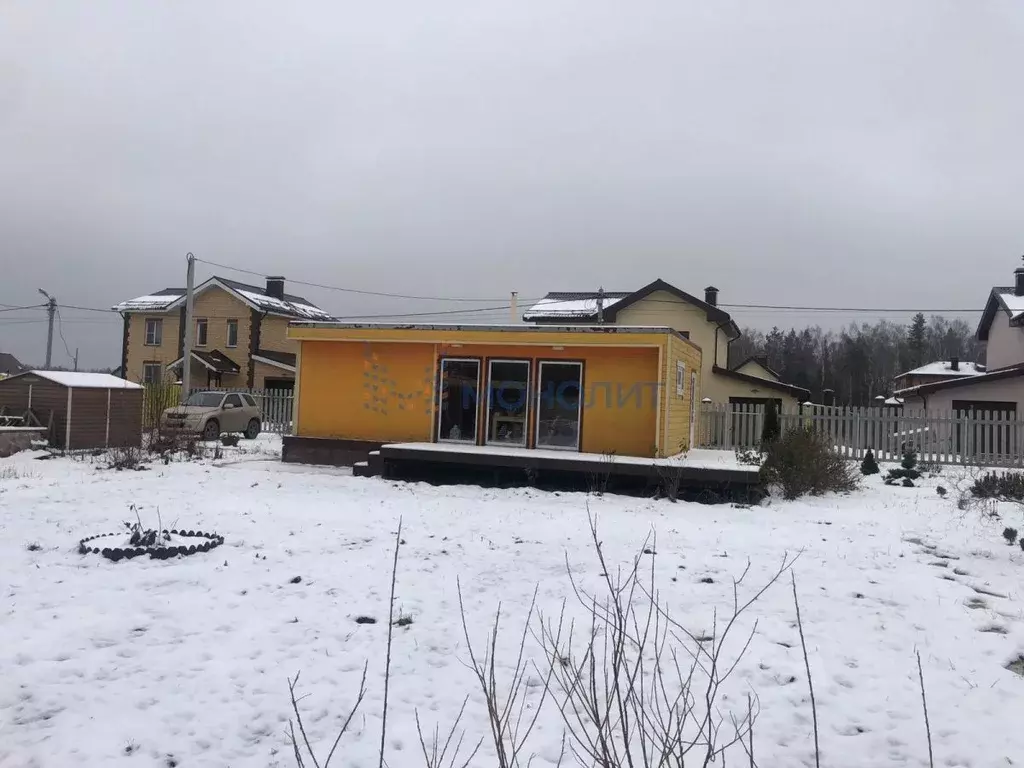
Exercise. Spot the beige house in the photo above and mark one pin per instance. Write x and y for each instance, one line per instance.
(701, 321)
(999, 386)
(239, 339)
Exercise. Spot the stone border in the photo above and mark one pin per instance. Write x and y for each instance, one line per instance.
(156, 552)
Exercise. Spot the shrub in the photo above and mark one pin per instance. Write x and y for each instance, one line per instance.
(125, 457)
(907, 470)
(1010, 534)
(771, 429)
(869, 466)
(802, 462)
(1008, 486)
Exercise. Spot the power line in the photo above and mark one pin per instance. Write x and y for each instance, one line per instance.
(10, 308)
(350, 290)
(60, 330)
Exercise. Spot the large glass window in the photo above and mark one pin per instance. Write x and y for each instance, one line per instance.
(458, 396)
(559, 402)
(508, 396)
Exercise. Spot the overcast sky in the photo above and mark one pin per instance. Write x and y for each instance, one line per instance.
(790, 152)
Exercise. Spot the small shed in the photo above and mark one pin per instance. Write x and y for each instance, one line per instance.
(80, 410)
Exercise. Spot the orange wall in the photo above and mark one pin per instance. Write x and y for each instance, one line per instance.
(384, 391)
(362, 391)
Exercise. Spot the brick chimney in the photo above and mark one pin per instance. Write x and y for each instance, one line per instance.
(275, 287)
(711, 295)
(954, 363)
(1018, 286)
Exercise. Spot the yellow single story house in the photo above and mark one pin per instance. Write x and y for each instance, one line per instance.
(631, 391)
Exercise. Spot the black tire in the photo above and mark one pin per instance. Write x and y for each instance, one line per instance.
(252, 429)
(212, 430)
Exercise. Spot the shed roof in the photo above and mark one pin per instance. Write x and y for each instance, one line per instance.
(78, 380)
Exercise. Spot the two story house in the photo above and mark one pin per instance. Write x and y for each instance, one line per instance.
(701, 321)
(239, 339)
(999, 388)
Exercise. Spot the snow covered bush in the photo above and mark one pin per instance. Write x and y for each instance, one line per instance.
(1007, 486)
(1010, 534)
(802, 462)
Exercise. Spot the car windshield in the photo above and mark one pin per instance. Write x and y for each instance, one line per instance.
(204, 399)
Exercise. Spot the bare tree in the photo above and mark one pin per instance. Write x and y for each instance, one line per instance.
(508, 705)
(636, 688)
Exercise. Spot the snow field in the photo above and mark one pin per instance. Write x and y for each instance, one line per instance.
(187, 661)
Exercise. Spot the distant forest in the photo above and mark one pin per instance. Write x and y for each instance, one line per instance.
(859, 362)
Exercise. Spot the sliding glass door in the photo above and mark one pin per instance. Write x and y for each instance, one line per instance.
(559, 404)
(458, 395)
(508, 393)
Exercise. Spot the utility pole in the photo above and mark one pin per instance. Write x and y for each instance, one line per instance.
(514, 307)
(76, 359)
(186, 359)
(51, 310)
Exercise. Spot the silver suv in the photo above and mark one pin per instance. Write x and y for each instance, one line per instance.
(211, 413)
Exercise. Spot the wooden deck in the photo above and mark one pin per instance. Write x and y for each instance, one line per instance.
(700, 475)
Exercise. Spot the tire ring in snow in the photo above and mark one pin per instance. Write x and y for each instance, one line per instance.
(92, 545)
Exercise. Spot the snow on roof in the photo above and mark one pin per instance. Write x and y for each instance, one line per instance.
(77, 380)
(1014, 303)
(149, 303)
(945, 368)
(272, 304)
(570, 305)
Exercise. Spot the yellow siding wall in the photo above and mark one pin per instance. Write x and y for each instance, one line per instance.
(727, 388)
(273, 335)
(384, 391)
(664, 309)
(218, 306)
(754, 369)
(139, 353)
(677, 407)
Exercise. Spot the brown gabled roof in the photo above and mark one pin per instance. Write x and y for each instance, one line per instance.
(213, 360)
(9, 364)
(1008, 372)
(791, 389)
(618, 300)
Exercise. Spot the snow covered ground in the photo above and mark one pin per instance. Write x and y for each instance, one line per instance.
(160, 663)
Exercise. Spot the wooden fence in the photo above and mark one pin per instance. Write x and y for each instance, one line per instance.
(940, 437)
(275, 405)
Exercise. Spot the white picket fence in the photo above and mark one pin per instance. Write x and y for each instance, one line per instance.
(939, 437)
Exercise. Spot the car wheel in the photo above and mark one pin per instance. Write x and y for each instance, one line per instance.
(212, 430)
(252, 430)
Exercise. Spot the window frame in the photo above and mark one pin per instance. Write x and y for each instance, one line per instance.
(158, 336)
(439, 391)
(205, 324)
(539, 384)
(231, 324)
(680, 378)
(148, 365)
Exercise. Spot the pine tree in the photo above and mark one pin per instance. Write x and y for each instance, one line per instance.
(869, 466)
(917, 339)
(771, 429)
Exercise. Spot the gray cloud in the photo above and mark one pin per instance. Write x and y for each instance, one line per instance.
(840, 153)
